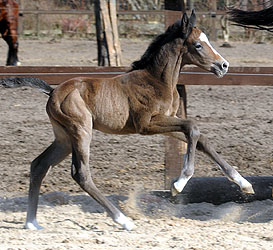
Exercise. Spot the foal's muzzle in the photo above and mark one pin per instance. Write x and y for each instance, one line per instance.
(220, 68)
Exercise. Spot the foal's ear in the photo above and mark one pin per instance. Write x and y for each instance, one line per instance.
(188, 23)
(192, 19)
(184, 23)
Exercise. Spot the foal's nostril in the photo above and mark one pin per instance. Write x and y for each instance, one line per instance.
(224, 65)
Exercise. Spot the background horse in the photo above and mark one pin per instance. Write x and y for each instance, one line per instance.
(8, 28)
(262, 19)
(142, 101)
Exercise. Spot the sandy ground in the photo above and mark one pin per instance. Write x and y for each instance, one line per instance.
(238, 121)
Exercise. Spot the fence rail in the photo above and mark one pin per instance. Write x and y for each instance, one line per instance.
(174, 149)
(89, 12)
(259, 76)
(119, 12)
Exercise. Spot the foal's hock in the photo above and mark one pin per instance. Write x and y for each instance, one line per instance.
(144, 101)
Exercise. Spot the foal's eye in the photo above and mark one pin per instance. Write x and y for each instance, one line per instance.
(198, 46)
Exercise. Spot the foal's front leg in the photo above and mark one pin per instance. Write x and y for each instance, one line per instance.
(166, 124)
(188, 164)
(228, 170)
(79, 127)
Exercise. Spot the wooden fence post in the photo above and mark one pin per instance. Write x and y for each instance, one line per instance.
(116, 42)
(213, 9)
(100, 34)
(175, 149)
(37, 20)
(107, 33)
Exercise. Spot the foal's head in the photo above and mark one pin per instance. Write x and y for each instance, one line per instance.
(199, 51)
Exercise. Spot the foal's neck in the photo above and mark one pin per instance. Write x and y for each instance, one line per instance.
(167, 63)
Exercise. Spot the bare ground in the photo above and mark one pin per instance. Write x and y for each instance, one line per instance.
(238, 121)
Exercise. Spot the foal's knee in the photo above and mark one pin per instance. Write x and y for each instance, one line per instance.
(192, 131)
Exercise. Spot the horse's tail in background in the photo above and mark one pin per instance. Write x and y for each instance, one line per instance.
(254, 18)
(16, 82)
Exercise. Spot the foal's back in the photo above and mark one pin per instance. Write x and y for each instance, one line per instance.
(106, 100)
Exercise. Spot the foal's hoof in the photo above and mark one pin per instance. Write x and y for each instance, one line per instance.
(129, 225)
(174, 191)
(248, 189)
(33, 226)
(125, 222)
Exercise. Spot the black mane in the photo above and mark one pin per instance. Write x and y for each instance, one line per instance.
(174, 31)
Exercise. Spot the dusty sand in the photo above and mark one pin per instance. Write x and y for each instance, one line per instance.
(238, 121)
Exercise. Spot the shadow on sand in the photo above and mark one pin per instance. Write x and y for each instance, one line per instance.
(153, 205)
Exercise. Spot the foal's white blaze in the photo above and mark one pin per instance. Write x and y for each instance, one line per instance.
(204, 38)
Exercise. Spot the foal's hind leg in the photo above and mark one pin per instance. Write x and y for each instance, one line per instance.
(228, 170)
(79, 127)
(81, 174)
(54, 154)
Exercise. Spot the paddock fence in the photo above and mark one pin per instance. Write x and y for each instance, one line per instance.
(174, 149)
(167, 17)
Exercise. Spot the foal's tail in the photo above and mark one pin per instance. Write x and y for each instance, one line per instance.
(16, 82)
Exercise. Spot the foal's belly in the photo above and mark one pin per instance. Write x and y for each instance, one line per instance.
(111, 115)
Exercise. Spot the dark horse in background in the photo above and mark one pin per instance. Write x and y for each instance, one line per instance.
(262, 19)
(8, 28)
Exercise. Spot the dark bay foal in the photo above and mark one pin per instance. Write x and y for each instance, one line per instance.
(143, 101)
